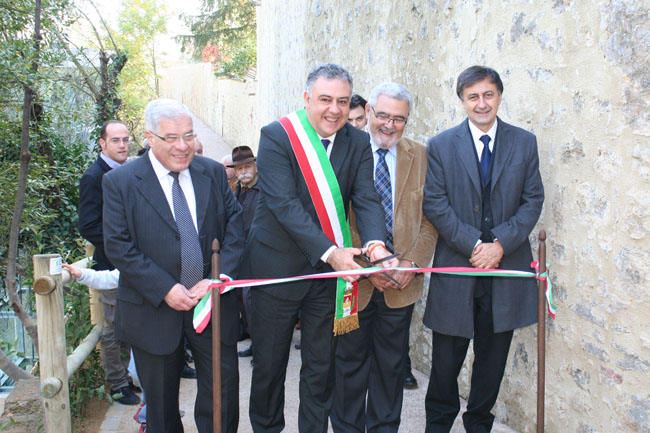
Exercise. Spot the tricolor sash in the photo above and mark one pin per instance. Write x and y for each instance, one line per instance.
(326, 195)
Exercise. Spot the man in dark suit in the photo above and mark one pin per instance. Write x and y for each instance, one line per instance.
(287, 239)
(370, 361)
(484, 194)
(161, 213)
(246, 193)
(114, 142)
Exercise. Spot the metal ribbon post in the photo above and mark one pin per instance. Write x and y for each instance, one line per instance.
(216, 340)
(541, 332)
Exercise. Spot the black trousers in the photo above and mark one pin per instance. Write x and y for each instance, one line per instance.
(370, 363)
(273, 324)
(160, 378)
(490, 356)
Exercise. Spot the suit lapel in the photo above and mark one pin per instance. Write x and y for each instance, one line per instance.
(201, 184)
(340, 150)
(466, 153)
(503, 147)
(152, 192)
(403, 168)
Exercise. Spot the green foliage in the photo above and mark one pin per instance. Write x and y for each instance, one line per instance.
(225, 34)
(139, 23)
(88, 381)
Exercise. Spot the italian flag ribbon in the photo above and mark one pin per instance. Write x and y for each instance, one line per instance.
(549, 288)
(203, 310)
(326, 195)
(229, 284)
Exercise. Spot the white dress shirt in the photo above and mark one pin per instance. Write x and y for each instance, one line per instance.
(391, 162)
(166, 181)
(477, 134)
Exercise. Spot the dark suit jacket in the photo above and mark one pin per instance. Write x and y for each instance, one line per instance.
(90, 211)
(142, 240)
(286, 237)
(249, 205)
(452, 202)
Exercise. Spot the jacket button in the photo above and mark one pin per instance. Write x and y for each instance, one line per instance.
(476, 208)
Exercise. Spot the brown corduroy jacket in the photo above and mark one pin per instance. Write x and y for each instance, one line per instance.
(414, 236)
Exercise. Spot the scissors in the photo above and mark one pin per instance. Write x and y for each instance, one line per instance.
(365, 262)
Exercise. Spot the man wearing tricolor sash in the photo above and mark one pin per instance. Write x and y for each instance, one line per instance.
(311, 165)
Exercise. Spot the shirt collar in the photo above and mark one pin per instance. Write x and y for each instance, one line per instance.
(392, 150)
(331, 138)
(477, 133)
(111, 163)
(160, 169)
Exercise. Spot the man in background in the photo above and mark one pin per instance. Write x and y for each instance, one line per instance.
(246, 193)
(358, 117)
(230, 172)
(114, 142)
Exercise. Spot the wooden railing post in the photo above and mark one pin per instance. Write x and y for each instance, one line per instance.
(51, 340)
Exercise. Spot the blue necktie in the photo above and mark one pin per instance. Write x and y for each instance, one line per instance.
(485, 157)
(325, 142)
(191, 255)
(383, 187)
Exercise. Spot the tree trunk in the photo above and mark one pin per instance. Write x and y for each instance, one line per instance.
(19, 205)
(11, 369)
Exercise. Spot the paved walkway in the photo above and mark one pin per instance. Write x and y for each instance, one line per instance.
(119, 418)
(214, 146)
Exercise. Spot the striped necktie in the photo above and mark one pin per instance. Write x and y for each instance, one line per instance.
(383, 187)
(191, 255)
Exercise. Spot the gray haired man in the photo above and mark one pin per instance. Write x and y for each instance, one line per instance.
(161, 213)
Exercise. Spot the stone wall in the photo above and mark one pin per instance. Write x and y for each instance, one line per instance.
(229, 107)
(577, 75)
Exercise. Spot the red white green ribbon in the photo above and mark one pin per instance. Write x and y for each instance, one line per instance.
(326, 195)
(203, 310)
(549, 288)
(227, 286)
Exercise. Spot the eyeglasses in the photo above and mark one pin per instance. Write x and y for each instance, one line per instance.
(116, 140)
(173, 139)
(397, 120)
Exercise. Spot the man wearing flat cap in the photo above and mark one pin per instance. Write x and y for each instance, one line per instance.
(246, 192)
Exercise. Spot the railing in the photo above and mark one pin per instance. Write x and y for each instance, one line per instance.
(55, 367)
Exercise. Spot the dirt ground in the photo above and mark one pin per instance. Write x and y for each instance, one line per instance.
(93, 417)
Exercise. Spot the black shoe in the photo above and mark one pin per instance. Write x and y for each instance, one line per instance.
(136, 389)
(188, 372)
(124, 395)
(410, 382)
(246, 352)
(297, 345)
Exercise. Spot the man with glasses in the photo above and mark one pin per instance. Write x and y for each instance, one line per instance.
(114, 142)
(370, 361)
(161, 214)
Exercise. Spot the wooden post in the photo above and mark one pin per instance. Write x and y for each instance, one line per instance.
(541, 333)
(216, 341)
(51, 341)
